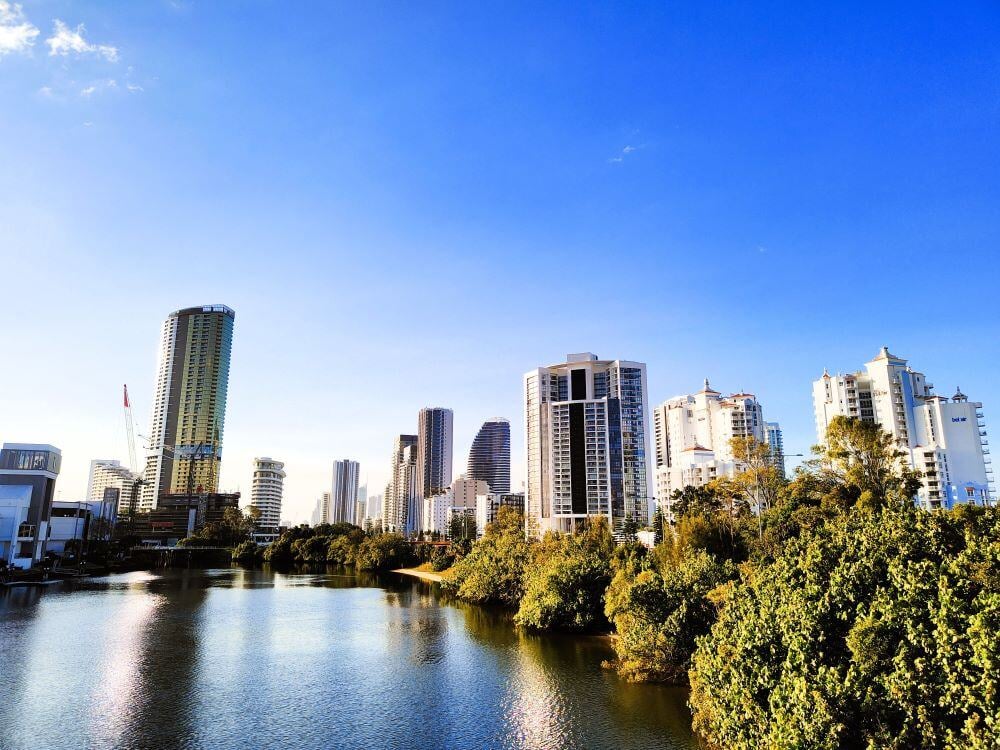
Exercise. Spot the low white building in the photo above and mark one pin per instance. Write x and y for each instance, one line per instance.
(436, 513)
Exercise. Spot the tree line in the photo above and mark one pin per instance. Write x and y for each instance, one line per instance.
(822, 612)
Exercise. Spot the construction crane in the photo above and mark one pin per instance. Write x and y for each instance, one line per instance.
(133, 500)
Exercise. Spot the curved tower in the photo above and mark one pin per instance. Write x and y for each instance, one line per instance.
(266, 490)
(489, 457)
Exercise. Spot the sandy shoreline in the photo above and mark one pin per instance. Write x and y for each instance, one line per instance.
(422, 574)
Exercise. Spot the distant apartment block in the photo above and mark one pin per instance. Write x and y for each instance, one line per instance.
(489, 456)
(266, 490)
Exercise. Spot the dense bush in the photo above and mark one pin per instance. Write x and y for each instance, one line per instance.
(248, 553)
(565, 584)
(659, 610)
(879, 629)
(384, 552)
(493, 571)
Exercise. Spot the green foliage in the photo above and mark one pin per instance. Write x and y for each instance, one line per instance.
(565, 585)
(234, 528)
(493, 571)
(341, 550)
(384, 552)
(877, 629)
(248, 553)
(659, 610)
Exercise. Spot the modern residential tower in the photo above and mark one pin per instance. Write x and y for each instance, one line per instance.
(434, 450)
(944, 440)
(693, 434)
(108, 474)
(489, 457)
(343, 507)
(266, 491)
(189, 407)
(401, 506)
(586, 443)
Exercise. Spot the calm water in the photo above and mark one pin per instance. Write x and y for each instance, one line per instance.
(235, 659)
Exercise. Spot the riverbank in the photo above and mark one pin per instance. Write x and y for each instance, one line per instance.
(424, 575)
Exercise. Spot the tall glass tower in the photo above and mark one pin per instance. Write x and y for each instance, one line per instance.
(189, 407)
(489, 457)
(434, 450)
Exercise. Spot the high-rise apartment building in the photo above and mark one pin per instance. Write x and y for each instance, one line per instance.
(489, 457)
(27, 486)
(693, 438)
(266, 491)
(401, 506)
(434, 450)
(776, 446)
(343, 508)
(108, 474)
(944, 440)
(585, 422)
(189, 407)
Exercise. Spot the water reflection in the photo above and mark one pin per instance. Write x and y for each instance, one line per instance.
(310, 658)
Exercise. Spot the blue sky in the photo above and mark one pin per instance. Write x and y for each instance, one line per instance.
(413, 204)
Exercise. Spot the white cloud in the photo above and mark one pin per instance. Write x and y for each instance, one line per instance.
(628, 149)
(65, 41)
(17, 33)
(45, 91)
(134, 88)
(98, 86)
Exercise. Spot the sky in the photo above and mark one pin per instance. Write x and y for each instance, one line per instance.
(413, 204)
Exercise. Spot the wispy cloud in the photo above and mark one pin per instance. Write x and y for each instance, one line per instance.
(620, 157)
(98, 86)
(66, 41)
(17, 33)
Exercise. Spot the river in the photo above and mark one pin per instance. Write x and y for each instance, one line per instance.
(233, 658)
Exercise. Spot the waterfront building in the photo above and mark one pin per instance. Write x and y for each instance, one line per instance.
(345, 491)
(189, 406)
(325, 507)
(693, 438)
(28, 473)
(776, 447)
(266, 492)
(944, 440)
(434, 450)
(402, 504)
(69, 528)
(586, 443)
(109, 474)
(489, 504)
(489, 456)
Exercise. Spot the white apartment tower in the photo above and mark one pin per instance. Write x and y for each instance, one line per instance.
(693, 435)
(106, 474)
(944, 440)
(266, 491)
(585, 422)
(343, 508)
(402, 504)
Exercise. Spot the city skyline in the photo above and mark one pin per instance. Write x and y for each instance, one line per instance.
(829, 198)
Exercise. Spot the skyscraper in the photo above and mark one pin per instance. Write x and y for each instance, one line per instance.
(109, 474)
(944, 440)
(489, 456)
(401, 505)
(586, 443)
(345, 491)
(189, 407)
(693, 434)
(266, 491)
(434, 450)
